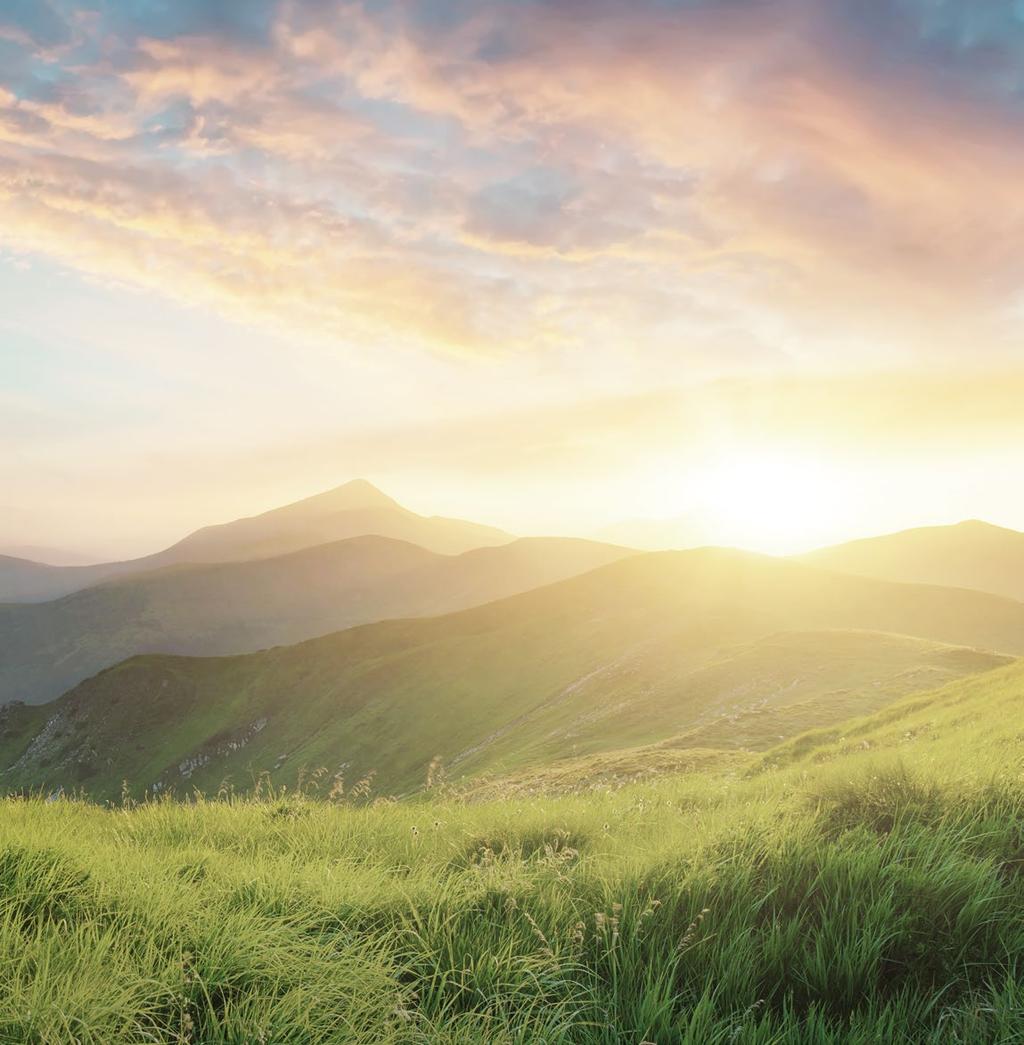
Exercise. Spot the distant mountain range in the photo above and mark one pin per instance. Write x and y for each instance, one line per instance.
(323, 633)
(237, 607)
(716, 647)
(970, 554)
(46, 556)
(353, 510)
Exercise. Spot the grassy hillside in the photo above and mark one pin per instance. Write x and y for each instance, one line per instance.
(46, 648)
(861, 887)
(352, 510)
(975, 724)
(651, 647)
(969, 555)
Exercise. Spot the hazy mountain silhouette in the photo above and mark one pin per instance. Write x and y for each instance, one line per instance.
(238, 607)
(970, 554)
(353, 510)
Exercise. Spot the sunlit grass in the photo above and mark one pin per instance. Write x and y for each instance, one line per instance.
(858, 885)
(864, 900)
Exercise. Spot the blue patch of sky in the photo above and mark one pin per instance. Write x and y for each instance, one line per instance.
(28, 75)
(15, 67)
(56, 363)
(247, 20)
(112, 355)
(967, 46)
(401, 121)
(37, 19)
(526, 199)
(173, 119)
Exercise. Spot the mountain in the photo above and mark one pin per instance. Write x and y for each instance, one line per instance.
(47, 556)
(353, 510)
(45, 648)
(647, 648)
(970, 554)
(22, 580)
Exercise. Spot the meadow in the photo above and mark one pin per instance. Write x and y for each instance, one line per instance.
(861, 884)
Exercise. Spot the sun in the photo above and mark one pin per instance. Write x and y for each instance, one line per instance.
(772, 499)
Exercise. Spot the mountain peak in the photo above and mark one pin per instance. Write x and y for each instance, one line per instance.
(979, 524)
(350, 496)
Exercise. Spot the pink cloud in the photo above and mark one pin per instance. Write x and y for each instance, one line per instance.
(368, 178)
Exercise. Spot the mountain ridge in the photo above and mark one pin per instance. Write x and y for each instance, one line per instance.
(240, 607)
(355, 508)
(646, 648)
(968, 554)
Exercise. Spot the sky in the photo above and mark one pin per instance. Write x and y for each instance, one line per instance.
(547, 264)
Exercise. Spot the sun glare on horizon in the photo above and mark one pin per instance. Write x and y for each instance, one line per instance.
(773, 500)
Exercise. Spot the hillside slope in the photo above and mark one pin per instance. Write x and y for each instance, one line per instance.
(45, 648)
(970, 554)
(869, 891)
(974, 724)
(632, 653)
(352, 510)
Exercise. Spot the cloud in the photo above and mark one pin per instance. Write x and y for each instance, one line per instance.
(838, 181)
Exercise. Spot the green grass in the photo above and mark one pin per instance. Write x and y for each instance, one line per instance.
(862, 887)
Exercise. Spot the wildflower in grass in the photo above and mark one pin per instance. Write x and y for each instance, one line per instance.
(435, 773)
(692, 929)
(537, 931)
(651, 907)
(613, 922)
(363, 787)
(187, 1024)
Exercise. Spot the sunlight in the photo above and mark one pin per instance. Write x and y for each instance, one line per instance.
(770, 499)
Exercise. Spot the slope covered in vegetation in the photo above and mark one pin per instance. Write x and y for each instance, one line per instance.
(862, 886)
(729, 649)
